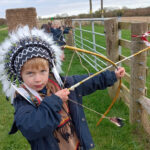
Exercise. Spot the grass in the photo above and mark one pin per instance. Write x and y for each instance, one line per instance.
(3, 34)
(3, 26)
(106, 136)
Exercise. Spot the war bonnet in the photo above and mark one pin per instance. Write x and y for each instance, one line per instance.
(22, 45)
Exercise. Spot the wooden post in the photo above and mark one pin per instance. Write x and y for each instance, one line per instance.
(111, 29)
(69, 37)
(102, 10)
(138, 71)
(90, 2)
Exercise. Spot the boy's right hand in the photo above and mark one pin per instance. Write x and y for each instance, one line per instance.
(120, 72)
(63, 94)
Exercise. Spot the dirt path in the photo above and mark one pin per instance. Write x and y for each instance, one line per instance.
(138, 19)
(4, 29)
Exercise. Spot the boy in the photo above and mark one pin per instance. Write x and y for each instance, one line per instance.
(43, 112)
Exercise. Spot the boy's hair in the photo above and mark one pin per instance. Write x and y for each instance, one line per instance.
(21, 46)
(35, 63)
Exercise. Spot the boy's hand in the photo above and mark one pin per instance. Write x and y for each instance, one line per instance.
(120, 72)
(63, 94)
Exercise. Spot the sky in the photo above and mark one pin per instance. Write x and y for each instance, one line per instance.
(51, 8)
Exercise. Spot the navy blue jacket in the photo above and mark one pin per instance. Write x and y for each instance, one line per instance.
(38, 124)
(58, 35)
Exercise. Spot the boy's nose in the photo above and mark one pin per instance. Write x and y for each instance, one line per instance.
(37, 78)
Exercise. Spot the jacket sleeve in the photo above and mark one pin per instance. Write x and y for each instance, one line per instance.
(99, 82)
(66, 30)
(36, 122)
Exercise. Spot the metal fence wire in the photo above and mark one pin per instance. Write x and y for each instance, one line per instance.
(87, 36)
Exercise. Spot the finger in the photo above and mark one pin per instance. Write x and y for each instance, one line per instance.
(67, 91)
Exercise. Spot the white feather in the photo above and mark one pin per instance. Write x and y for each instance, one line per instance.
(22, 32)
(5, 46)
(57, 76)
(1, 69)
(23, 93)
(26, 31)
(3, 77)
(10, 91)
(2, 52)
(1, 58)
(14, 38)
(34, 32)
(6, 85)
(50, 39)
(11, 94)
(44, 36)
(33, 92)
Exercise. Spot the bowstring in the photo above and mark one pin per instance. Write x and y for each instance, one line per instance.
(83, 66)
(100, 114)
(68, 68)
(72, 57)
(90, 109)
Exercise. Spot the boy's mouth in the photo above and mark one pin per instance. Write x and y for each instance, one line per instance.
(39, 86)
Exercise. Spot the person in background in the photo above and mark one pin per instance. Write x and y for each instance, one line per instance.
(58, 32)
(46, 28)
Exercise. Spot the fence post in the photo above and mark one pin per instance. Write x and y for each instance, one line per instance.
(138, 72)
(69, 36)
(111, 30)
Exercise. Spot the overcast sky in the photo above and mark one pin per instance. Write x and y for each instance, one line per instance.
(71, 7)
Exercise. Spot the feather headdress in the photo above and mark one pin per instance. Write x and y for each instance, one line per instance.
(22, 45)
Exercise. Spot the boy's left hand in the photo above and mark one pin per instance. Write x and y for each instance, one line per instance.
(120, 72)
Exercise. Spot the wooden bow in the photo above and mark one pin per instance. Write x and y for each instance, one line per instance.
(114, 64)
(91, 76)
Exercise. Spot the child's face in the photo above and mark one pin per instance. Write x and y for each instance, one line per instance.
(56, 25)
(35, 78)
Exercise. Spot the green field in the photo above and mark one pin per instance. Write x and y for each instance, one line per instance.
(107, 136)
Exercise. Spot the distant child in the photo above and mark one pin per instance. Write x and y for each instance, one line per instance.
(46, 28)
(58, 32)
(30, 68)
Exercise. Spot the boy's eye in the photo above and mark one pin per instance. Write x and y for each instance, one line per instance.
(29, 73)
(44, 70)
